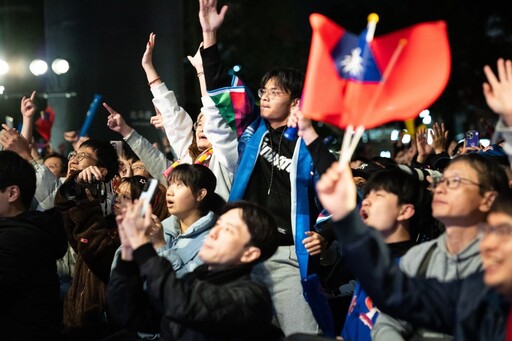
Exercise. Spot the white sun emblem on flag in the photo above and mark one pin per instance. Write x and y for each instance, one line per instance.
(353, 63)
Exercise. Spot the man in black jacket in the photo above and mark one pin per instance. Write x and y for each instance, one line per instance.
(30, 244)
(217, 301)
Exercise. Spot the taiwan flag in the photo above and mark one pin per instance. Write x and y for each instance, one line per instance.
(393, 77)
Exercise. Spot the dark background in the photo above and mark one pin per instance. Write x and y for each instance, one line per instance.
(104, 42)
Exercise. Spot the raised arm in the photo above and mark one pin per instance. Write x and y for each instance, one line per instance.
(147, 62)
(153, 159)
(210, 20)
(173, 118)
(425, 302)
(498, 90)
(197, 63)
(28, 109)
(498, 94)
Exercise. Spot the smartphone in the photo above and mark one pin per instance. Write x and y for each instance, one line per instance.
(9, 121)
(472, 138)
(147, 194)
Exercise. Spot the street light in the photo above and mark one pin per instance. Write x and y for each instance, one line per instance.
(38, 67)
(60, 66)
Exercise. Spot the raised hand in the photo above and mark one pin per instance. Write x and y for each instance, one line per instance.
(210, 20)
(116, 122)
(73, 138)
(147, 62)
(147, 58)
(498, 90)
(28, 107)
(196, 60)
(126, 248)
(439, 137)
(156, 233)
(91, 174)
(12, 140)
(157, 121)
(424, 149)
(337, 191)
(135, 226)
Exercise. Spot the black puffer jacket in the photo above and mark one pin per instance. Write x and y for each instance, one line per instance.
(30, 245)
(203, 305)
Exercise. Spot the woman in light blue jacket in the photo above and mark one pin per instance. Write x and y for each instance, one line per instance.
(193, 206)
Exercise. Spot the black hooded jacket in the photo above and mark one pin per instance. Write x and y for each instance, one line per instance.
(30, 244)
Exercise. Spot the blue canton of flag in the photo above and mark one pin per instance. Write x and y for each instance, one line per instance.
(354, 59)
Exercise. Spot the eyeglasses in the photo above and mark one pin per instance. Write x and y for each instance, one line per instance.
(270, 93)
(80, 156)
(197, 124)
(500, 231)
(452, 182)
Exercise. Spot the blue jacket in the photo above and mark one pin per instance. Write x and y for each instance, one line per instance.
(301, 180)
(182, 249)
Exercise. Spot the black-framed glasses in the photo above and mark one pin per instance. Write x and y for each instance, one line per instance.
(501, 230)
(270, 93)
(80, 156)
(452, 182)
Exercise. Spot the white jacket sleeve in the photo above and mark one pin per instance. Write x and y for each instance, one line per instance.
(223, 139)
(177, 122)
(153, 159)
(47, 185)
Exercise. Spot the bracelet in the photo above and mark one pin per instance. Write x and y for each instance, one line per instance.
(199, 74)
(154, 80)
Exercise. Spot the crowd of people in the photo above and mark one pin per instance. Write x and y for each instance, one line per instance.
(413, 247)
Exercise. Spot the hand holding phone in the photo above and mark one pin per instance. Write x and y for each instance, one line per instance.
(147, 194)
(472, 138)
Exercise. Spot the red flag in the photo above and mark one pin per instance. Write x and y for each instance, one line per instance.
(44, 123)
(349, 81)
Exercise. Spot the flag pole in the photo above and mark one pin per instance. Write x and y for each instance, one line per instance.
(351, 137)
(373, 19)
(392, 62)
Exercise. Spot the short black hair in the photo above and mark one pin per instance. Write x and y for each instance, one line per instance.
(503, 203)
(409, 190)
(105, 154)
(196, 177)
(491, 176)
(16, 171)
(63, 160)
(289, 79)
(261, 225)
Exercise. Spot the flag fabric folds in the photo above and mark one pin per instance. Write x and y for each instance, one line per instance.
(394, 77)
(235, 104)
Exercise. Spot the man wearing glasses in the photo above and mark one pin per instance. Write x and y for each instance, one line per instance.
(470, 194)
(274, 172)
(92, 235)
(461, 201)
